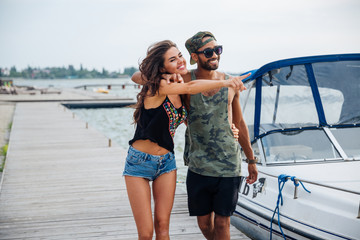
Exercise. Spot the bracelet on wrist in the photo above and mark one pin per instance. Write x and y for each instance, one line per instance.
(251, 161)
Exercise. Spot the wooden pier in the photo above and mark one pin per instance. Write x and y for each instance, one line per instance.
(63, 181)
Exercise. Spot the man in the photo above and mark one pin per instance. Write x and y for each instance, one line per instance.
(212, 155)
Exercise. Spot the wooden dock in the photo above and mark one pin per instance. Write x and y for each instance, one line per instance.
(63, 181)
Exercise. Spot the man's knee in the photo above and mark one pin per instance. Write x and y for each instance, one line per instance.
(205, 223)
(205, 227)
(222, 222)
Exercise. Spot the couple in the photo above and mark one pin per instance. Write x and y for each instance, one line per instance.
(212, 154)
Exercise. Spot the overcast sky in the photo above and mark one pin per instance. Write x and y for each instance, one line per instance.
(116, 33)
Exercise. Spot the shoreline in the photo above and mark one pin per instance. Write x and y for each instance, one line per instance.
(6, 117)
(7, 112)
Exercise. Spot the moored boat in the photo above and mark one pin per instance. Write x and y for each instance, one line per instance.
(303, 116)
(101, 90)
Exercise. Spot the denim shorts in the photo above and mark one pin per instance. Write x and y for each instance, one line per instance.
(144, 165)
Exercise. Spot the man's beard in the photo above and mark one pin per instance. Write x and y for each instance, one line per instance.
(206, 65)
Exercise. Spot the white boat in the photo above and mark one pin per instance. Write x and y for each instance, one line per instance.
(303, 116)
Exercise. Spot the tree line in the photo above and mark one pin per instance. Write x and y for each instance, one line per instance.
(62, 72)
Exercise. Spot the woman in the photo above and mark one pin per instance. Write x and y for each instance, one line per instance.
(150, 157)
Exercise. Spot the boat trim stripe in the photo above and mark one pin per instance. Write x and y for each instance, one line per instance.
(253, 221)
(286, 226)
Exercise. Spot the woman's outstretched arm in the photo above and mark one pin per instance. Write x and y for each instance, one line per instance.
(139, 79)
(198, 86)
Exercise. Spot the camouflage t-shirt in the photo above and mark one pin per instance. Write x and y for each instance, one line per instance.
(210, 147)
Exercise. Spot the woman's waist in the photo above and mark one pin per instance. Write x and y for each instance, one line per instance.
(149, 147)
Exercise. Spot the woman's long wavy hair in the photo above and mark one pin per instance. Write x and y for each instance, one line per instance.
(151, 70)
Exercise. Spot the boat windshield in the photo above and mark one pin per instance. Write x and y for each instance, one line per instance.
(349, 140)
(298, 146)
(294, 105)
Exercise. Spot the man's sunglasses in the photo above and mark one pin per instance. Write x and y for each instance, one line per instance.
(209, 52)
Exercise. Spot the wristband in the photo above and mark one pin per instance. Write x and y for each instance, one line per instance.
(251, 161)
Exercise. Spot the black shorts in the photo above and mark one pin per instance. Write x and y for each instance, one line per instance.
(211, 194)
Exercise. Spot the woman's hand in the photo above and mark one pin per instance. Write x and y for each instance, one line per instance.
(236, 82)
(175, 77)
(235, 131)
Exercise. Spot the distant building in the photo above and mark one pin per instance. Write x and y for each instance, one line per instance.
(5, 72)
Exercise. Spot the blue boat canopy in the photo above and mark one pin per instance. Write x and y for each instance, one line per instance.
(303, 93)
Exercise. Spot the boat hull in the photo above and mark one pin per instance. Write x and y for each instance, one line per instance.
(325, 213)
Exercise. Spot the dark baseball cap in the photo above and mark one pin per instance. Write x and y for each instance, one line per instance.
(196, 42)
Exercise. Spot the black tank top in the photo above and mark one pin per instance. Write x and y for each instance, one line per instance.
(159, 124)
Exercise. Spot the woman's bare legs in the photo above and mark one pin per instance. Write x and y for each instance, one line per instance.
(139, 194)
(164, 192)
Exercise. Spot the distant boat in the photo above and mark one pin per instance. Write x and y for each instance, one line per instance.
(303, 116)
(101, 90)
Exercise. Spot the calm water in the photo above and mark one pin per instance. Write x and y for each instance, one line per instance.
(69, 83)
(114, 123)
(116, 90)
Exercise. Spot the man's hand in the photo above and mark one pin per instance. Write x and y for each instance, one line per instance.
(175, 77)
(253, 173)
(236, 82)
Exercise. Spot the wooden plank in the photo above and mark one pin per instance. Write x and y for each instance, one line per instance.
(62, 181)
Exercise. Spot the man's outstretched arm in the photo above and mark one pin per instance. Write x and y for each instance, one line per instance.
(137, 78)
